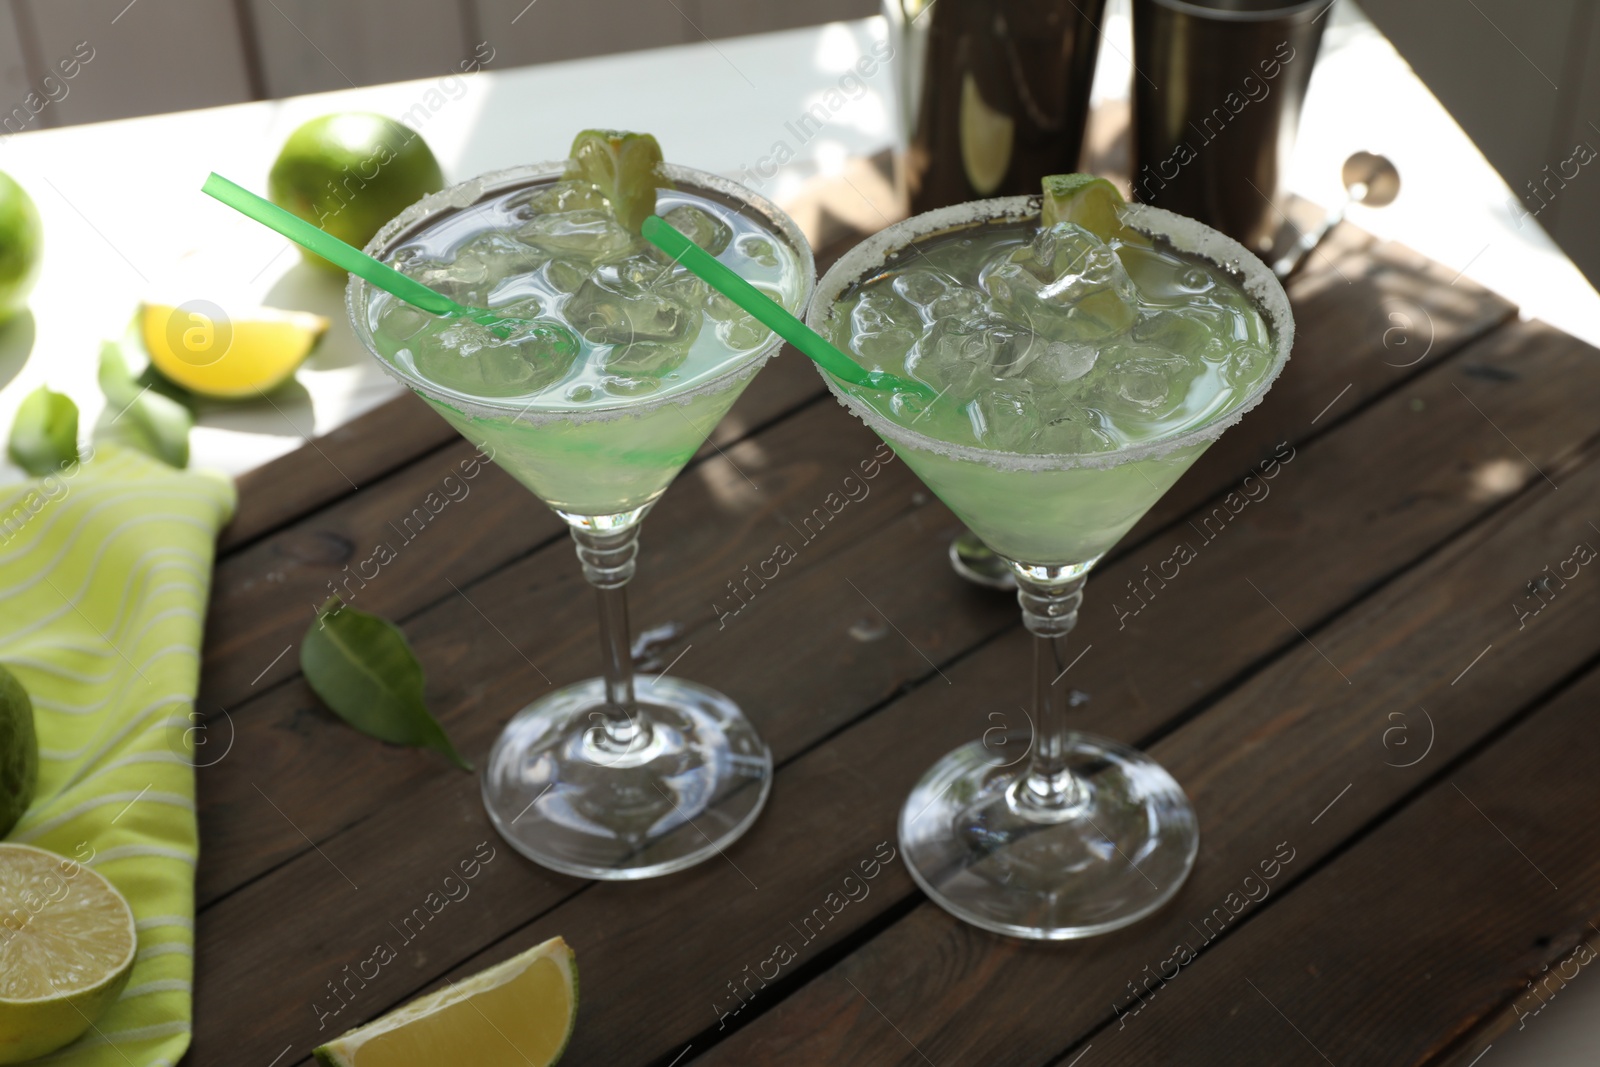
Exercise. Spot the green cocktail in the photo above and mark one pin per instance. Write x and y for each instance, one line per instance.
(619, 366)
(1080, 372)
(634, 359)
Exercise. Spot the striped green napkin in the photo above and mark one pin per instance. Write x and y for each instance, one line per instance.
(104, 574)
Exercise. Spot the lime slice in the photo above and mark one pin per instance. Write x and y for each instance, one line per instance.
(625, 167)
(516, 1014)
(1093, 203)
(198, 346)
(67, 943)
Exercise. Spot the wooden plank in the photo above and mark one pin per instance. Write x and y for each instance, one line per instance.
(527, 31)
(800, 700)
(308, 46)
(1294, 759)
(361, 451)
(1479, 887)
(147, 57)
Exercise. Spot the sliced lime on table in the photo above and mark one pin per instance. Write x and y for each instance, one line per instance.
(625, 167)
(67, 943)
(516, 1014)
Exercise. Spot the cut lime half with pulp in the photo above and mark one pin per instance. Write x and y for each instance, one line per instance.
(67, 942)
(515, 1014)
(625, 167)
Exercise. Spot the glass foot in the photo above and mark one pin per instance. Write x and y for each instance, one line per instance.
(1116, 853)
(978, 563)
(689, 783)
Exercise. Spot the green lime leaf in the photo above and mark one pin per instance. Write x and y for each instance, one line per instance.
(44, 437)
(364, 670)
(139, 415)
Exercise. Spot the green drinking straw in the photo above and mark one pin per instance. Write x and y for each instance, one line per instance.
(770, 313)
(349, 257)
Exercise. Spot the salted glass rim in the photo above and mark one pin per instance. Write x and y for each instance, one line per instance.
(465, 194)
(1182, 233)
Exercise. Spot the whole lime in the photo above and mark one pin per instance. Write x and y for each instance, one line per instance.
(351, 172)
(21, 242)
(19, 751)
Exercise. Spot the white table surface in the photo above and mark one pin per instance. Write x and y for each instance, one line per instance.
(124, 218)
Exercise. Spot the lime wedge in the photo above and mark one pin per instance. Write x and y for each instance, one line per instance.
(67, 942)
(227, 359)
(625, 167)
(1093, 203)
(515, 1014)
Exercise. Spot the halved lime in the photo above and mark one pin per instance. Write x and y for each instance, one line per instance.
(67, 942)
(516, 1014)
(625, 167)
(1093, 203)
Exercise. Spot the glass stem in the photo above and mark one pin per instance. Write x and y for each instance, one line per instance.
(1050, 598)
(608, 558)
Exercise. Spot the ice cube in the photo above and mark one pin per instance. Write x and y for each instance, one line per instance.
(957, 303)
(564, 275)
(1061, 362)
(879, 309)
(570, 195)
(470, 358)
(401, 321)
(883, 349)
(646, 360)
(1184, 333)
(528, 307)
(613, 312)
(589, 234)
(701, 227)
(736, 328)
(742, 334)
(759, 249)
(921, 287)
(1067, 285)
(1247, 365)
(1080, 432)
(1143, 381)
(1004, 418)
(465, 282)
(501, 255)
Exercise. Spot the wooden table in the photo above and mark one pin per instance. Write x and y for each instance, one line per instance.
(1386, 735)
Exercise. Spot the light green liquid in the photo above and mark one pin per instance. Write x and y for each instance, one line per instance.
(1070, 348)
(635, 362)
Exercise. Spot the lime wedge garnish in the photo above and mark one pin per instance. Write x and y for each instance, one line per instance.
(66, 949)
(1093, 203)
(625, 167)
(515, 1014)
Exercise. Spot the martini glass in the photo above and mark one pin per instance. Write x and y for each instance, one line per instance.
(1082, 835)
(617, 777)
